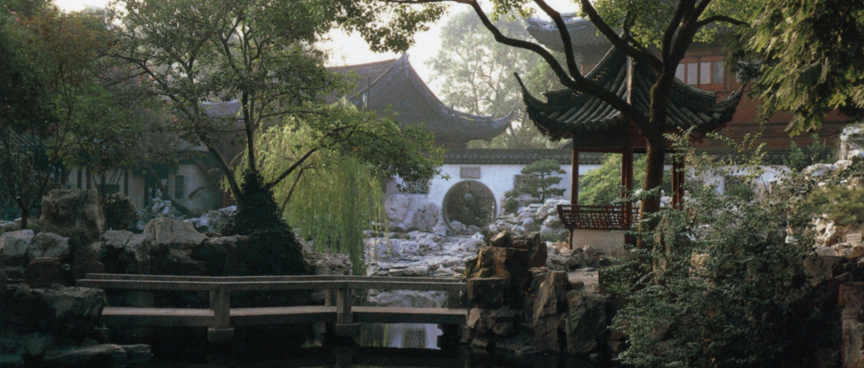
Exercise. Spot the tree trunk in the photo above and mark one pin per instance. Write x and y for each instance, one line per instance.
(25, 213)
(653, 178)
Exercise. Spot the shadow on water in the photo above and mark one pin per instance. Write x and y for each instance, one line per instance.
(395, 345)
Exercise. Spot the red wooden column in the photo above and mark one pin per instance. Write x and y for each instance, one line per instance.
(574, 178)
(677, 180)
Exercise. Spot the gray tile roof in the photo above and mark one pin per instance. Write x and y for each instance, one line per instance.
(569, 114)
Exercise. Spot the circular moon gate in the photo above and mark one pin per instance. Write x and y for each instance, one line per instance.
(469, 202)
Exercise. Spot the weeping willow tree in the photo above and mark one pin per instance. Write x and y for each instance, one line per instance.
(333, 204)
(335, 192)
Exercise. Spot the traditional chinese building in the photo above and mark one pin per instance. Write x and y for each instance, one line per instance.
(392, 86)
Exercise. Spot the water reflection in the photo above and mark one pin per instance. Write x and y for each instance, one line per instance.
(377, 346)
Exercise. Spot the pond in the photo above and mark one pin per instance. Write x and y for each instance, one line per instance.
(394, 345)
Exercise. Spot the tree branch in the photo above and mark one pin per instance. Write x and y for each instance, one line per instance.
(607, 31)
(721, 18)
(565, 35)
(291, 169)
(577, 82)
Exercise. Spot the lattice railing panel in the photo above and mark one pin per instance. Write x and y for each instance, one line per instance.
(596, 217)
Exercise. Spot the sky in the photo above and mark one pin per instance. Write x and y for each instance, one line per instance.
(348, 49)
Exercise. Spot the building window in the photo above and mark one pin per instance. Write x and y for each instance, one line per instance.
(692, 73)
(179, 187)
(719, 76)
(469, 172)
(679, 72)
(414, 187)
(704, 73)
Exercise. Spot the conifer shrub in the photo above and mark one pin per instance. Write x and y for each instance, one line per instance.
(272, 248)
(120, 211)
(540, 179)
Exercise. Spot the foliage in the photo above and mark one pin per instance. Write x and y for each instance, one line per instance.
(816, 152)
(477, 77)
(724, 275)
(511, 205)
(842, 205)
(602, 186)
(261, 54)
(334, 204)
(120, 211)
(540, 177)
(809, 58)
(336, 193)
(272, 248)
(62, 105)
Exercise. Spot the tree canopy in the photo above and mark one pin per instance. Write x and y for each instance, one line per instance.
(477, 77)
(807, 58)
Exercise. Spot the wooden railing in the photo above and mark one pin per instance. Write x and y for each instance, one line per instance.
(220, 317)
(597, 217)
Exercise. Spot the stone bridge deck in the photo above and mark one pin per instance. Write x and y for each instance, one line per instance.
(220, 318)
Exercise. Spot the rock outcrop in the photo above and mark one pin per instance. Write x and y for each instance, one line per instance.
(74, 208)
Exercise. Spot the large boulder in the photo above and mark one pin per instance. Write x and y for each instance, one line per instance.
(396, 207)
(425, 218)
(13, 246)
(549, 307)
(48, 245)
(68, 314)
(587, 321)
(172, 233)
(487, 293)
(74, 208)
(42, 272)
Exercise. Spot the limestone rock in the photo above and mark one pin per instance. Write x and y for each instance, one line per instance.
(851, 139)
(501, 240)
(396, 207)
(587, 321)
(487, 293)
(48, 245)
(107, 355)
(69, 314)
(85, 261)
(13, 246)
(549, 306)
(75, 208)
(116, 239)
(499, 322)
(425, 218)
(42, 272)
(173, 233)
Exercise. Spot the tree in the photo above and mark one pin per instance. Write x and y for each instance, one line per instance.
(260, 53)
(671, 27)
(337, 193)
(476, 75)
(539, 178)
(57, 62)
(807, 59)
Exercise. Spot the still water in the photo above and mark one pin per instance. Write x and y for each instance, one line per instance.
(393, 345)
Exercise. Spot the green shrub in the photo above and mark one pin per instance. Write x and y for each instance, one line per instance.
(721, 274)
(511, 205)
(816, 152)
(120, 211)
